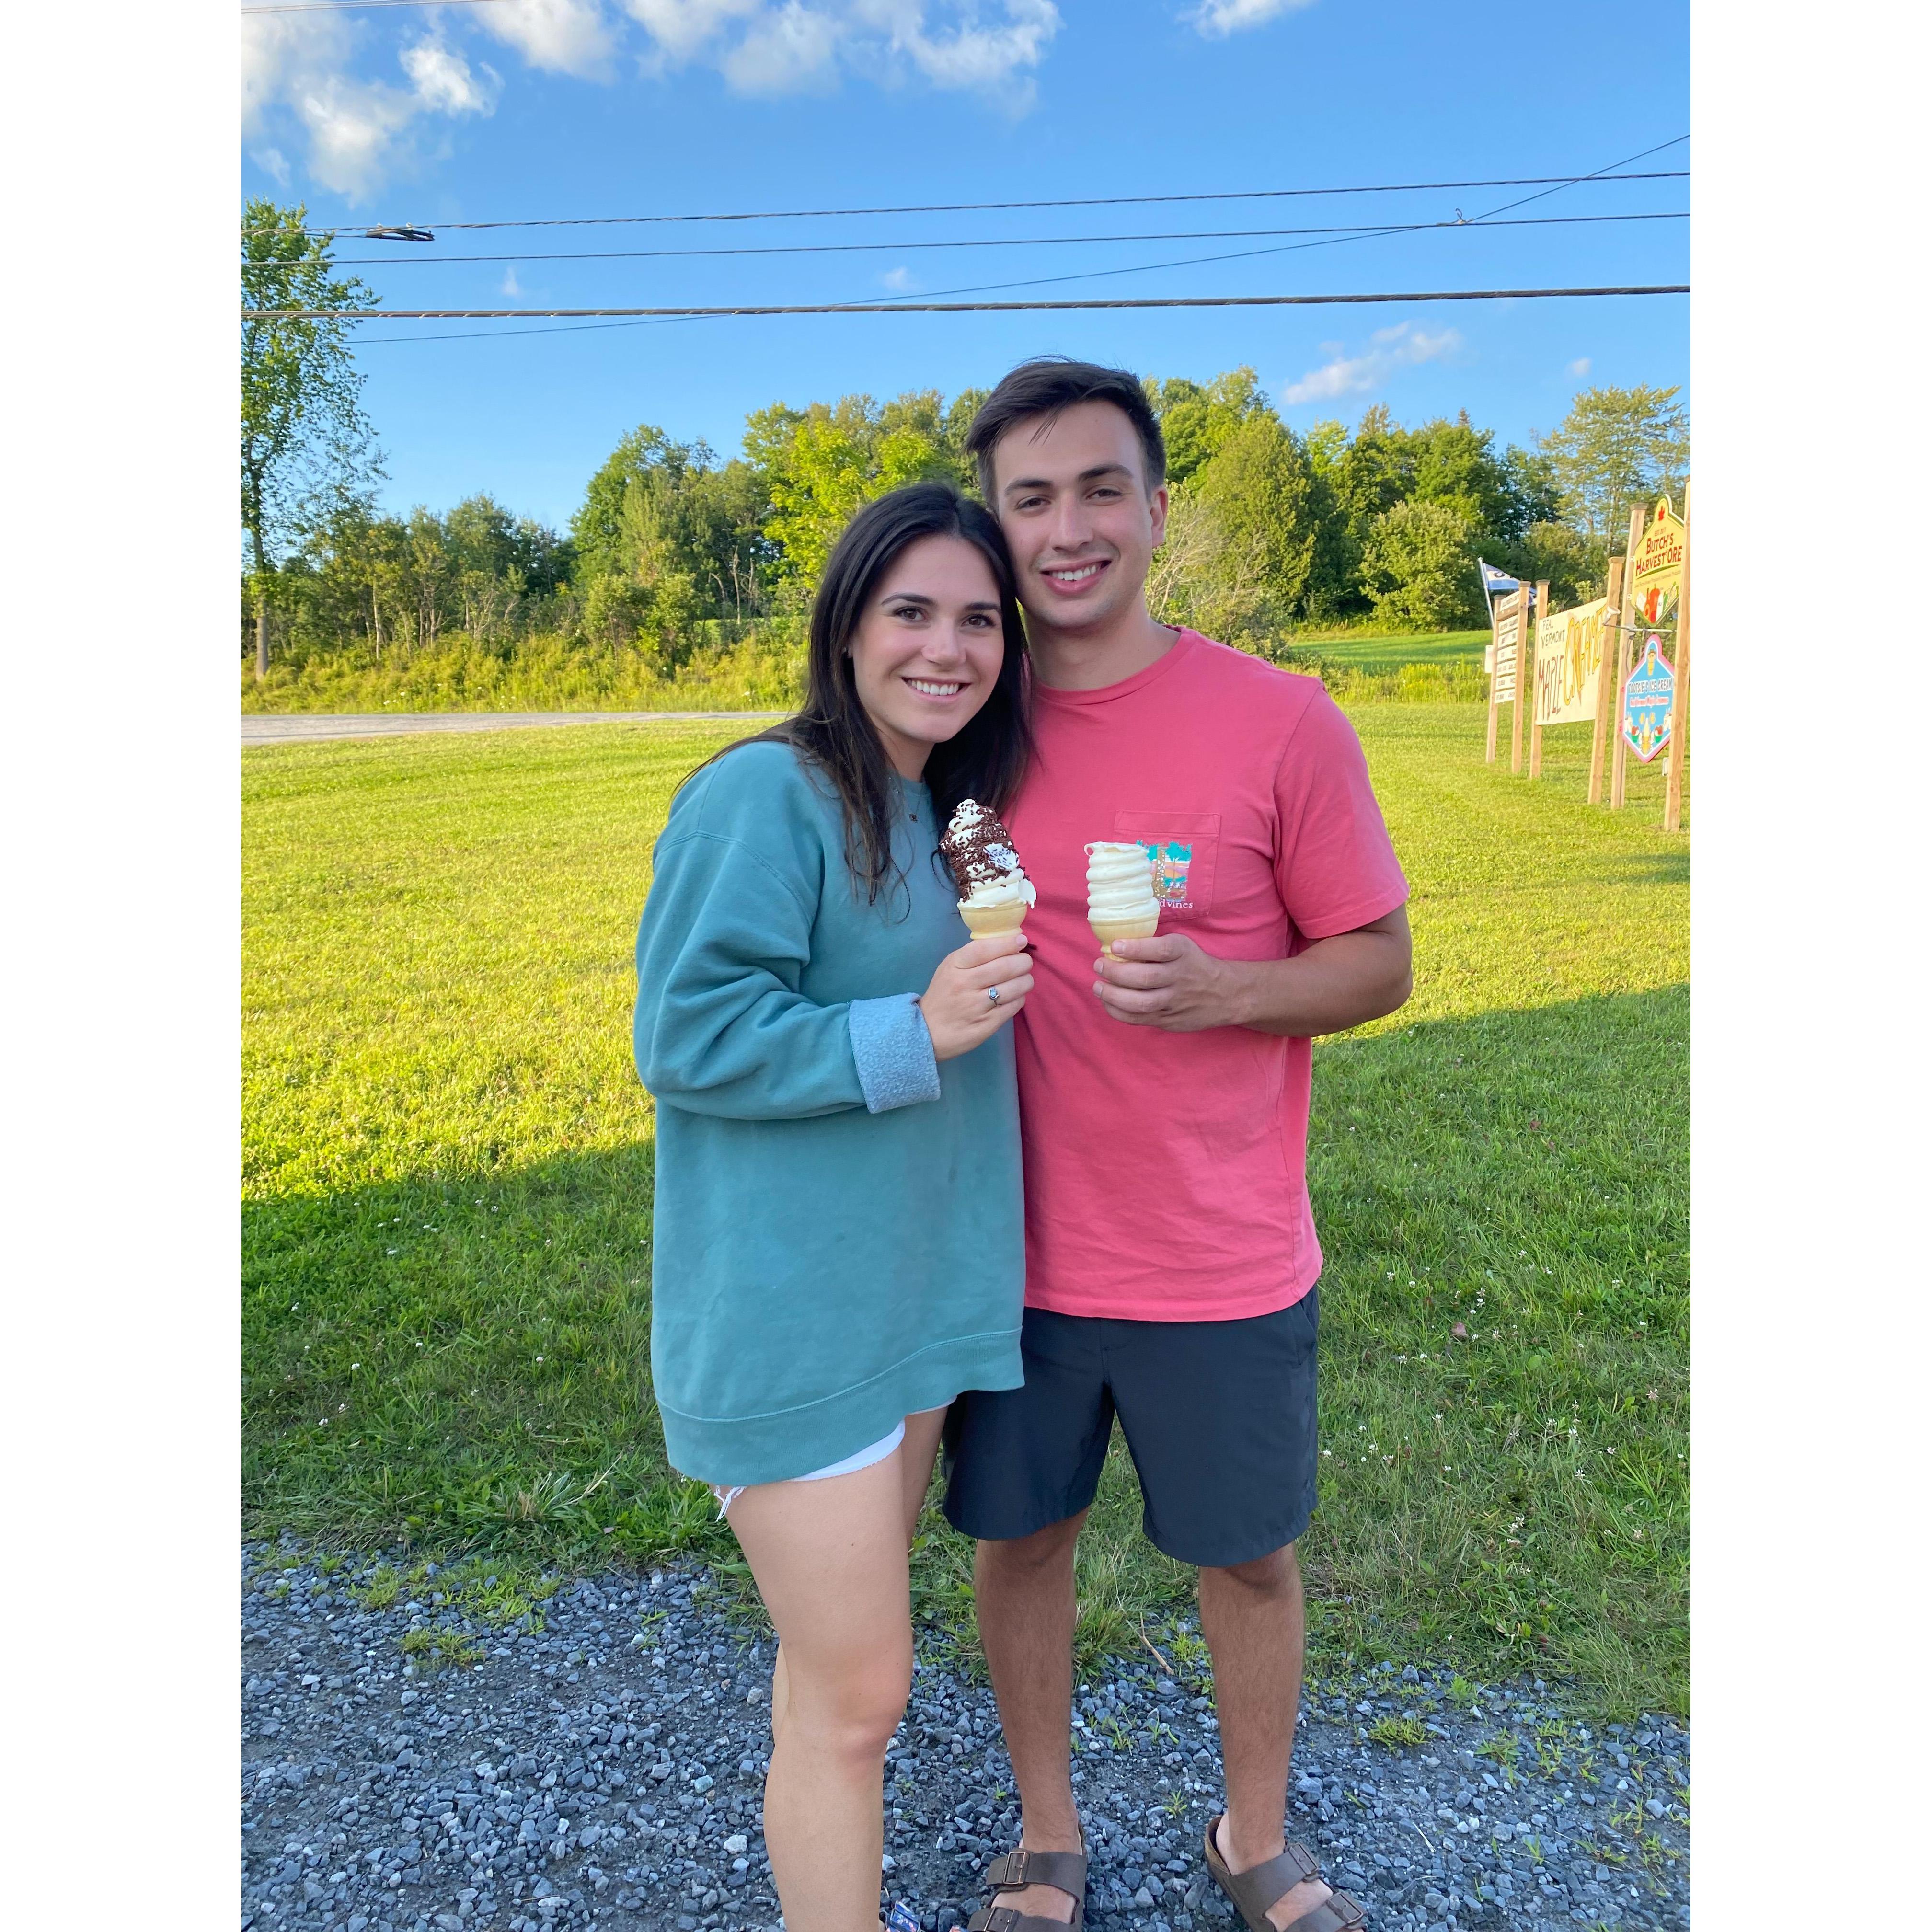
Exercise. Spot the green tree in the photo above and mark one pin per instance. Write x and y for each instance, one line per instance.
(1197, 419)
(1419, 567)
(1261, 490)
(821, 463)
(1618, 447)
(306, 445)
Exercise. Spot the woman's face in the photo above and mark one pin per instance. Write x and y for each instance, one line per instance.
(928, 648)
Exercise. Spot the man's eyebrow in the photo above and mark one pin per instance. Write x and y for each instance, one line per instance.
(1085, 476)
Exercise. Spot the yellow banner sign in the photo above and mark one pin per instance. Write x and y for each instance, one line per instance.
(1570, 650)
(1655, 579)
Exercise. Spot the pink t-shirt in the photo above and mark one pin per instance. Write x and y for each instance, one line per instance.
(1165, 1171)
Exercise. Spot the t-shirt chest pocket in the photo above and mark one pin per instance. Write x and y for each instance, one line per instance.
(1182, 846)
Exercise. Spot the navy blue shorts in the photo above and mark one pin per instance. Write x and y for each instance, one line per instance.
(1219, 1418)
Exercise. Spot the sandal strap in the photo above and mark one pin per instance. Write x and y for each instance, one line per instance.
(1261, 1886)
(1337, 1913)
(1065, 1871)
(1005, 1919)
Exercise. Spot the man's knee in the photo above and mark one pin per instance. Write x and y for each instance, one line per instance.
(1020, 1557)
(1275, 1574)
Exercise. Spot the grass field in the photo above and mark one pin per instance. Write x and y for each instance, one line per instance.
(1374, 655)
(447, 1186)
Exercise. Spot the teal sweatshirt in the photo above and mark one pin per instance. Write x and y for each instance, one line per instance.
(838, 1237)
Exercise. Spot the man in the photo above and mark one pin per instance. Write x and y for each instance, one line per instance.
(1171, 1255)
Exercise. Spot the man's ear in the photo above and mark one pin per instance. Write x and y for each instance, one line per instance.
(1157, 504)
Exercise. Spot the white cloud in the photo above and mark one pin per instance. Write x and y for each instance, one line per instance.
(1217, 19)
(899, 280)
(789, 51)
(559, 36)
(1580, 367)
(1400, 347)
(971, 57)
(444, 83)
(272, 160)
(294, 72)
(306, 73)
(682, 27)
(511, 286)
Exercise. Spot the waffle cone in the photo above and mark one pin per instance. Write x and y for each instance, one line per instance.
(1106, 931)
(984, 922)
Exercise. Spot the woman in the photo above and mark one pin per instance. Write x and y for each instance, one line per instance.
(838, 1247)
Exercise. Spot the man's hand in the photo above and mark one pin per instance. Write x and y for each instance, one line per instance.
(1167, 982)
(1336, 983)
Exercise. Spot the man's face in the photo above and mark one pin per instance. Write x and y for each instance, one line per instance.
(1070, 492)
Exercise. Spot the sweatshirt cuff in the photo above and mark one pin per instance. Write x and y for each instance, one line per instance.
(893, 1052)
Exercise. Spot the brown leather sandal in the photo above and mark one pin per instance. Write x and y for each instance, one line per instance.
(1065, 1871)
(1262, 1885)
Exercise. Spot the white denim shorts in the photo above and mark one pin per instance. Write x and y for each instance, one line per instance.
(876, 1452)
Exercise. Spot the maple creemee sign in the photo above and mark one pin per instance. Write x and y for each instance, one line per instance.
(1569, 662)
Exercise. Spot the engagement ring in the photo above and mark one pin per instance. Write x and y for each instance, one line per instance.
(993, 995)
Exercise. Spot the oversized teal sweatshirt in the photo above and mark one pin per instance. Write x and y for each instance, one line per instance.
(838, 1239)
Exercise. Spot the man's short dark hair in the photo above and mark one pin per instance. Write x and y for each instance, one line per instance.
(1045, 385)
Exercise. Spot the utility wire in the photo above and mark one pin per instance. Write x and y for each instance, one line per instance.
(358, 6)
(947, 308)
(1001, 207)
(1286, 248)
(1010, 241)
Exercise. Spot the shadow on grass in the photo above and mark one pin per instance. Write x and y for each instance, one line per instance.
(459, 1360)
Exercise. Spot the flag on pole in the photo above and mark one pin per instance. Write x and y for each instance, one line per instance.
(1495, 582)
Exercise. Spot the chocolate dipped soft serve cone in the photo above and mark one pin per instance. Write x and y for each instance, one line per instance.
(995, 894)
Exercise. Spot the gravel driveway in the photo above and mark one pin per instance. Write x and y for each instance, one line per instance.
(605, 1769)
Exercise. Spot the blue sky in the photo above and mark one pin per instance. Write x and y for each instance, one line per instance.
(547, 108)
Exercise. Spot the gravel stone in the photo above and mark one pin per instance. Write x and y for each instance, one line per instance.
(606, 1770)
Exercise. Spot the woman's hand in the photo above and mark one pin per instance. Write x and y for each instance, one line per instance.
(959, 1015)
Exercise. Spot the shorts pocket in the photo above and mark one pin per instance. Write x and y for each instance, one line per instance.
(1182, 845)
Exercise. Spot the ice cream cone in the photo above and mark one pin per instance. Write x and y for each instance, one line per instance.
(983, 921)
(1106, 931)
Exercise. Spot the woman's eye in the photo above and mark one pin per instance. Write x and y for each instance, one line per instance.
(909, 611)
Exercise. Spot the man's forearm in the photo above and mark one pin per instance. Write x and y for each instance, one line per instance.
(1335, 984)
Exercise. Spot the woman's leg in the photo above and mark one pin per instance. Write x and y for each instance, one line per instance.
(917, 1454)
(920, 1450)
(829, 1560)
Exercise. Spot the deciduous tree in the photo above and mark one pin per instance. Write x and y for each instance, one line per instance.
(306, 445)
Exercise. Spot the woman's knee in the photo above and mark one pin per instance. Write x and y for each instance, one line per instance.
(854, 1705)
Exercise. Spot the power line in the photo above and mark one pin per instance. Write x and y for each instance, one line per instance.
(945, 308)
(358, 6)
(1001, 207)
(1009, 242)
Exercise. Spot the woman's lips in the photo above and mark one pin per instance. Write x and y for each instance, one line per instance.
(937, 690)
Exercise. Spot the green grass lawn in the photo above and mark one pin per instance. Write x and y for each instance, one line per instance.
(1386, 654)
(447, 1169)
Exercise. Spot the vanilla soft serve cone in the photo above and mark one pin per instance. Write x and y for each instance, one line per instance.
(1120, 902)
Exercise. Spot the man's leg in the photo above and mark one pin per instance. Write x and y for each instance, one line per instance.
(1024, 1591)
(1251, 1615)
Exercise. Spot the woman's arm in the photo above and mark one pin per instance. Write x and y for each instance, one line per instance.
(721, 1027)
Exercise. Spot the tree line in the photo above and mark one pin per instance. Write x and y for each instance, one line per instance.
(673, 550)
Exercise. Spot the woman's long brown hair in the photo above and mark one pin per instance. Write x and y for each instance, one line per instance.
(986, 759)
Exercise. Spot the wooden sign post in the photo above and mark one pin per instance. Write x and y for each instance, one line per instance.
(1680, 696)
(1606, 679)
(1620, 751)
(1536, 687)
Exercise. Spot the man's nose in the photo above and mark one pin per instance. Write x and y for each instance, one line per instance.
(1071, 527)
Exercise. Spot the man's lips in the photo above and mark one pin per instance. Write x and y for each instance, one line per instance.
(1070, 579)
